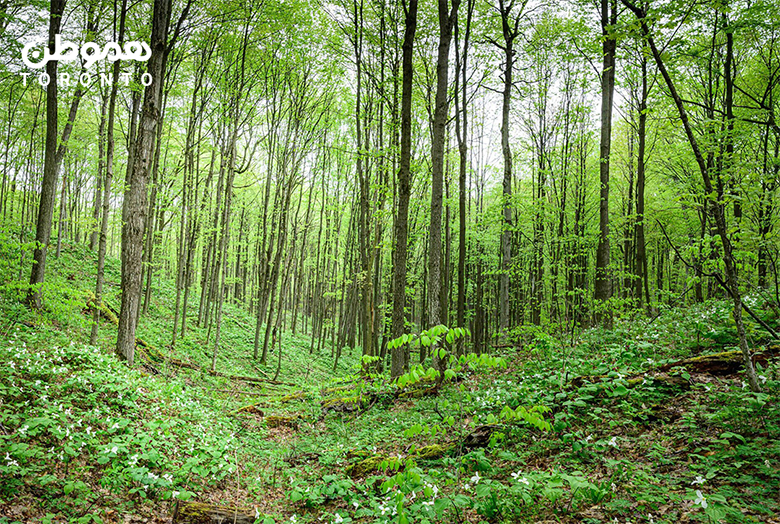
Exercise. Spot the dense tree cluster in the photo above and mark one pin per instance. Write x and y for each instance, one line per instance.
(361, 169)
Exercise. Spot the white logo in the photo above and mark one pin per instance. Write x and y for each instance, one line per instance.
(90, 52)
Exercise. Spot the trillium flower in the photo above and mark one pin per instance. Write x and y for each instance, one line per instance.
(699, 480)
(338, 520)
(475, 478)
(700, 500)
(613, 442)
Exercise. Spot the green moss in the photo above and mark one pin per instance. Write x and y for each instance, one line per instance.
(366, 466)
(331, 403)
(433, 452)
(338, 389)
(277, 421)
(419, 393)
(102, 308)
(293, 396)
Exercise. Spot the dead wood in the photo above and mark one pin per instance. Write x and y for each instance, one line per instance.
(200, 513)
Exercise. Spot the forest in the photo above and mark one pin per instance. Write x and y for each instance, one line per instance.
(468, 261)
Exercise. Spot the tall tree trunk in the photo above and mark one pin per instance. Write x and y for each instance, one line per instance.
(98, 198)
(435, 314)
(134, 207)
(107, 181)
(50, 167)
(509, 31)
(603, 284)
(642, 285)
(403, 187)
(461, 130)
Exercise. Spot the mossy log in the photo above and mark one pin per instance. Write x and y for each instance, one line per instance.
(104, 310)
(340, 405)
(664, 379)
(433, 452)
(298, 395)
(252, 408)
(431, 391)
(372, 464)
(278, 421)
(480, 437)
(200, 513)
(337, 389)
(250, 380)
(723, 363)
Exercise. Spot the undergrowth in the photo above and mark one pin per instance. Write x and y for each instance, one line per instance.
(507, 437)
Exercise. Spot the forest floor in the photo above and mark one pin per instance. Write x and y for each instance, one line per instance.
(572, 430)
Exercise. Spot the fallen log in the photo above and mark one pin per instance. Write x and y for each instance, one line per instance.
(723, 363)
(663, 379)
(480, 437)
(249, 379)
(200, 513)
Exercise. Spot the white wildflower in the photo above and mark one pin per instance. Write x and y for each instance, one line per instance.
(699, 480)
(700, 500)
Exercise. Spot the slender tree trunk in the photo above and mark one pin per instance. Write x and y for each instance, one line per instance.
(642, 283)
(403, 188)
(98, 198)
(461, 130)
(603, 285)
(716, 207)
(509, 31)
(50, 167)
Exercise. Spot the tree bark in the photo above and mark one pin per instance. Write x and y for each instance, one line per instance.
(509, 31)
(435, 315)
(403, 188)
(134, 207)
(50, 168)
(603, 285)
